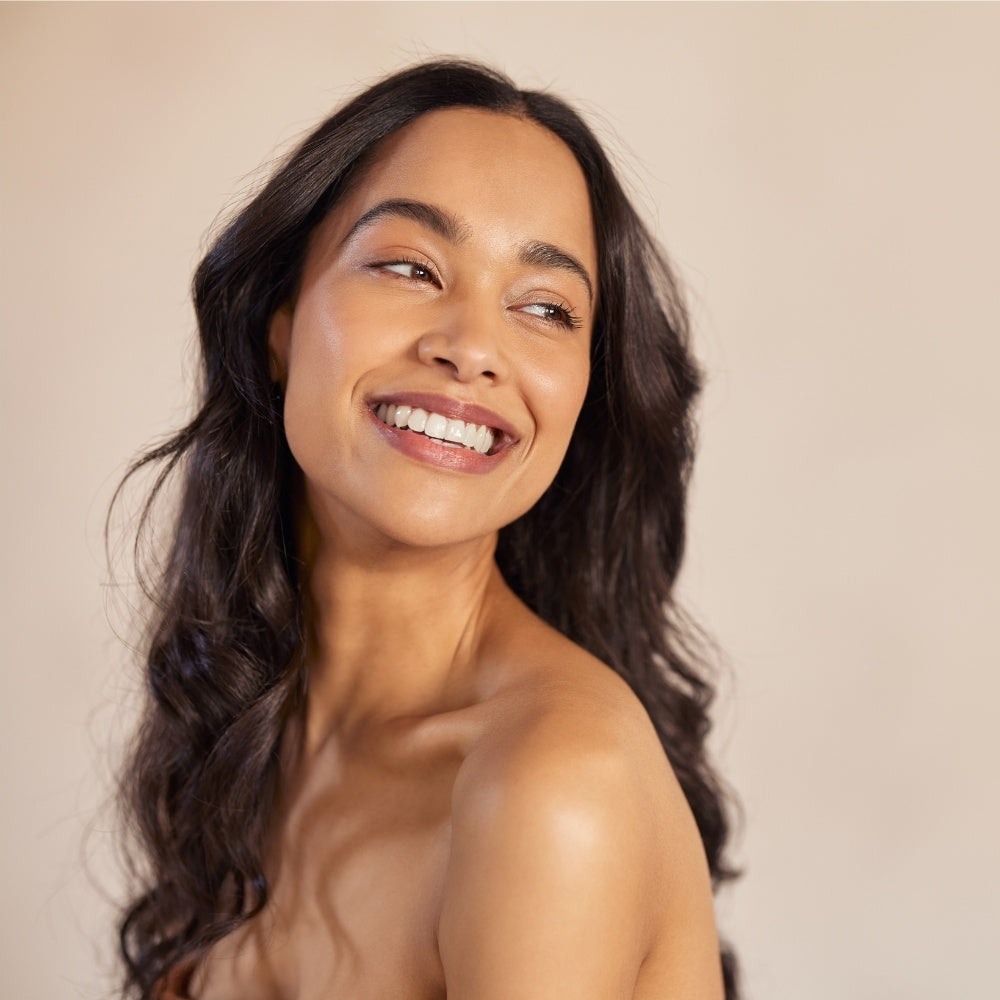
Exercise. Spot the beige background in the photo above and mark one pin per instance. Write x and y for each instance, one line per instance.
(826, 178)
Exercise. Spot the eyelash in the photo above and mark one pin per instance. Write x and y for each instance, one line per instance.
(566, 317)
(431, 277)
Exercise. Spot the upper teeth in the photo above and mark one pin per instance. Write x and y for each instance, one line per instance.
(434, 425)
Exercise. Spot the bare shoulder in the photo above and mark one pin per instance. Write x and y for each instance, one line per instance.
(576, 867)
(570, 733)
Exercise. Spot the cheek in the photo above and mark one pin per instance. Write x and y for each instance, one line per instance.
(321, 334)
(333, 340)
(561, 391)
(558, 394)
(320, 362)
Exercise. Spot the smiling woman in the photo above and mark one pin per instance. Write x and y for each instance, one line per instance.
(425, 288)
(422, 719)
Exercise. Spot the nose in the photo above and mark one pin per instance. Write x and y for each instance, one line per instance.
(467, 346)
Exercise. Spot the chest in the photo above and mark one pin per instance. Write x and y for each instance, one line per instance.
(359, 866)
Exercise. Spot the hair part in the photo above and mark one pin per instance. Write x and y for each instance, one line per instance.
(596, 557)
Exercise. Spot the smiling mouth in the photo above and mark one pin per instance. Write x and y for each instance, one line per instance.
(443, 430)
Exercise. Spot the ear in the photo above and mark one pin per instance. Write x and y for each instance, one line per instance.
(279, 338)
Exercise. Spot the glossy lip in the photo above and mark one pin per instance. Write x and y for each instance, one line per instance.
(504, 434)
(455, 458)
(425, 449)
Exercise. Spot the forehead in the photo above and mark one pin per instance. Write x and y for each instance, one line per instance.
(505, 177)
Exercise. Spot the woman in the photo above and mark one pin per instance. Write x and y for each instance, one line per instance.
(414, 663)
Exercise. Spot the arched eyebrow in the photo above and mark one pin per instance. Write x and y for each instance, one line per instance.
(452, 229)
(434, 218)
(546, 255)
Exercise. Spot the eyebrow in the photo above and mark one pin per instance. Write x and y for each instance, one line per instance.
(430, 216)
(454, 231)
(546, 255)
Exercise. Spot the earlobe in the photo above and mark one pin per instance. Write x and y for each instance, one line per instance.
(279, 336)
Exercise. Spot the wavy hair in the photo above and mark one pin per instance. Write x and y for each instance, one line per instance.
(596, 557)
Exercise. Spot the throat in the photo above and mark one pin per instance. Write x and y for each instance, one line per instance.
(384, 646)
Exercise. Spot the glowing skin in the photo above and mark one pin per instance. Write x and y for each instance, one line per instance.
(429, 279)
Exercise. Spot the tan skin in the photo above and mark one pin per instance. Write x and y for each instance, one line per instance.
(474, 807)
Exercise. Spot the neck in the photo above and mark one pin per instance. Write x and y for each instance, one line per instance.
(394, 631)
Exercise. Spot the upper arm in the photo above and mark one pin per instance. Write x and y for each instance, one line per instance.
(544, 895)
(564, 875)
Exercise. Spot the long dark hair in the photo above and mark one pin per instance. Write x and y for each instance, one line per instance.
(597, 556)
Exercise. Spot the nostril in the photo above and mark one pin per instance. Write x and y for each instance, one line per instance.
(462, 357)
(448, 363)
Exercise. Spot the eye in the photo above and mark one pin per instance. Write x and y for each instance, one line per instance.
(554, 312)
(412, 269)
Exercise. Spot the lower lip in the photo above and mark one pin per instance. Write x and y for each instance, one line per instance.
(431, 452)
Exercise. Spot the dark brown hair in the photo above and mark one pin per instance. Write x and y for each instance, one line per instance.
(597, 556)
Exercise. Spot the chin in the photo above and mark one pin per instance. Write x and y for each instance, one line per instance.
(420, 536)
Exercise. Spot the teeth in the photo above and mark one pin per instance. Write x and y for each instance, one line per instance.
(455, 431)
(434, 425)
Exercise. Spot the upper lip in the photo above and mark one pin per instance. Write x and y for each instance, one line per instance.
(453, 409)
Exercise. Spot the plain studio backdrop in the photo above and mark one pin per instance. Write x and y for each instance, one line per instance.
(826, 180)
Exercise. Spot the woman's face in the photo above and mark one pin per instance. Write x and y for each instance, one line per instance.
(437, 354)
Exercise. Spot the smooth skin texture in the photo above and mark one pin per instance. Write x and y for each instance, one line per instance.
(473, 807)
